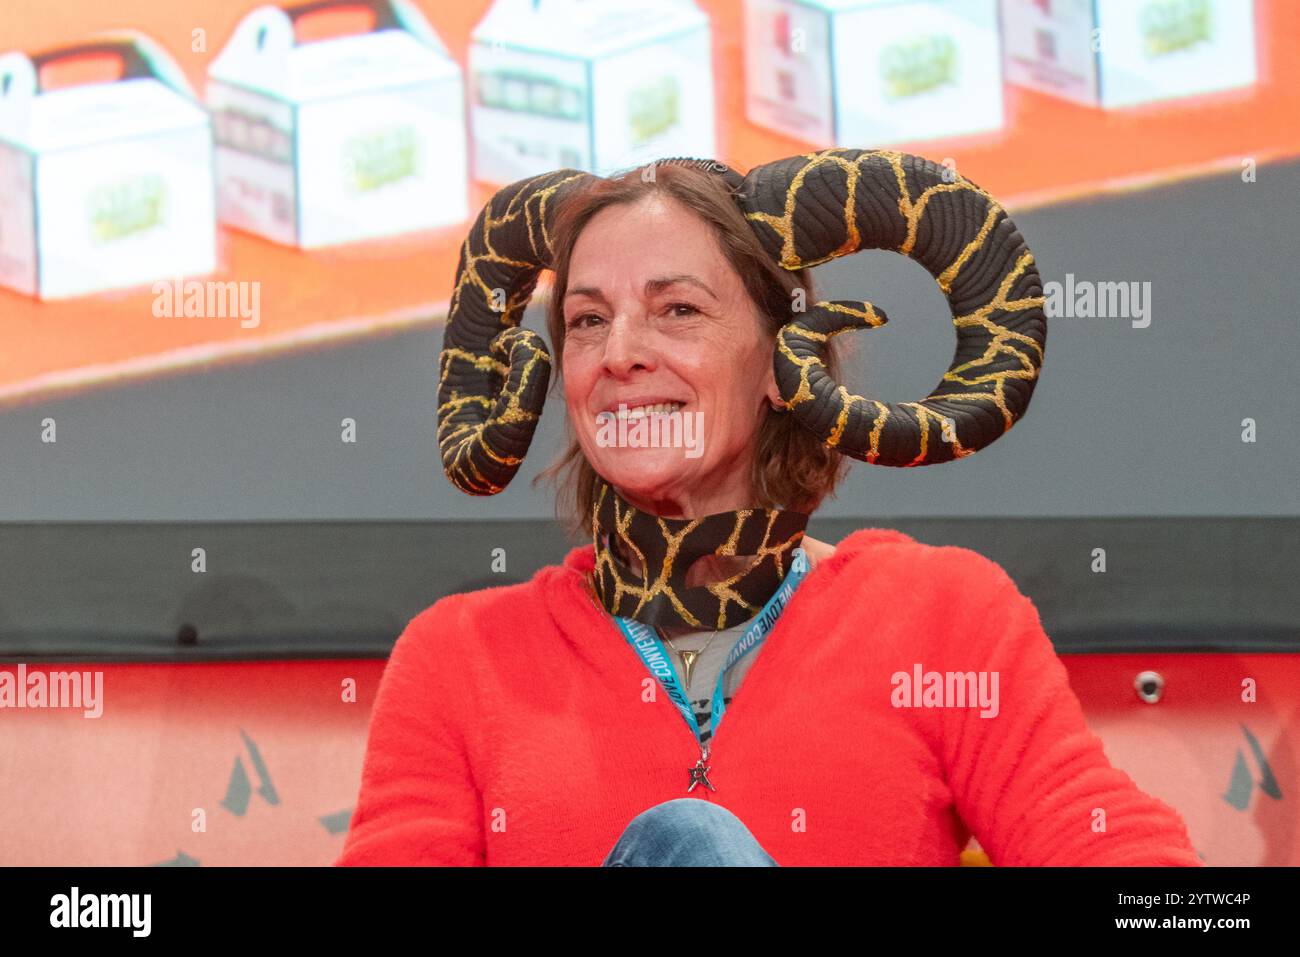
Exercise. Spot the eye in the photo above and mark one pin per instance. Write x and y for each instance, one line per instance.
(682, 305)
(577, 322)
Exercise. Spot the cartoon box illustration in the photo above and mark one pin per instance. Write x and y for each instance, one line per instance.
(596, 85)
(873, 72)
(341, 139)
(105, 184)
(1115, 53)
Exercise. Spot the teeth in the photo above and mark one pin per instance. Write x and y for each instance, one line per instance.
(641, 411)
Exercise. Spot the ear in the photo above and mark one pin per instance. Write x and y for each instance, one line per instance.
(771, 391)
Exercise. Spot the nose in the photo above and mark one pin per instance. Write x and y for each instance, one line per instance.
(627, 347)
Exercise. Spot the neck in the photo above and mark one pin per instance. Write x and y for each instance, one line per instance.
(693, 503)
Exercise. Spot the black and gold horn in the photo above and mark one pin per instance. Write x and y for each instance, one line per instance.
(813, 208)
(805, 210)
(492, 373)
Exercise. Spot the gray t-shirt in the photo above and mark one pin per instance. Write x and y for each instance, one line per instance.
(704, 675)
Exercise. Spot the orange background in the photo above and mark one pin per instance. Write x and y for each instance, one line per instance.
(1049, 150)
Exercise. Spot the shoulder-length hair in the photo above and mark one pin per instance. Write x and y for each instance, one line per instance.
(791, 468)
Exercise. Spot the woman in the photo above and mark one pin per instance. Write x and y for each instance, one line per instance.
(902, 696)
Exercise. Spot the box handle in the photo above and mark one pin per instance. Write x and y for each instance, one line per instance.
(130, 60)
(140, 57)
(266, 34)
(384, 14)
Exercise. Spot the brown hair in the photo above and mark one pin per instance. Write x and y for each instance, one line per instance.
(791, 468)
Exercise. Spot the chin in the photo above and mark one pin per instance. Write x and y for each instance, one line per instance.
(645, 473)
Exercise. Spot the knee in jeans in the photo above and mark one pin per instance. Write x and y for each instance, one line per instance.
(688, 815)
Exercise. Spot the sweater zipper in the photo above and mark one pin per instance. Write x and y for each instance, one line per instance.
(705, 750)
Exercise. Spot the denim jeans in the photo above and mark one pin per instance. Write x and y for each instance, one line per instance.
(687, 832)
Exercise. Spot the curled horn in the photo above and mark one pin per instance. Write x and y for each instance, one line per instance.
(492, 373)
(813, 208)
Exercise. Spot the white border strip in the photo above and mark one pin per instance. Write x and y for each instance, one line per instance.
(175, 360)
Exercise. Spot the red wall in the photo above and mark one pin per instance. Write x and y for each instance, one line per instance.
(121, 789)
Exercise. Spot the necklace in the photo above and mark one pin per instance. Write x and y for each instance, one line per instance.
(688, 657)
(637, 635)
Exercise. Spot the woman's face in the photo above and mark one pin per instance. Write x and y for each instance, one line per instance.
(655, 314)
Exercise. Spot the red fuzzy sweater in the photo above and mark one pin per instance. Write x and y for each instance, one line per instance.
(516, 726)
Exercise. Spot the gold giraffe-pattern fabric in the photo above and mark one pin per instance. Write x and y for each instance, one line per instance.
(979, 261)
(654, 591)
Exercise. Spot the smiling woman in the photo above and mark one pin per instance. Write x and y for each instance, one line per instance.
(669, 297)
(524, 725)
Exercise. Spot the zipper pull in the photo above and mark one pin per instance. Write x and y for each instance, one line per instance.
(700, 773)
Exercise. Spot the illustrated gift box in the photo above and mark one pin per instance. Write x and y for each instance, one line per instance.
(596, 85)
(340, 139)
(1114, 53)
(849, 72)
(103, 185)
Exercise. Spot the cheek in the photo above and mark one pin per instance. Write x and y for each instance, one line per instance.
(760, 366)
(577, 376)
(738, 381)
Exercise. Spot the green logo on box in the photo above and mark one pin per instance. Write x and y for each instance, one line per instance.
(918, 65)
(653, 108)
(1172, 25)
(380, 159)
(126, 208)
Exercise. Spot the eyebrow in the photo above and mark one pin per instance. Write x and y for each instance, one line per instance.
(652, 287)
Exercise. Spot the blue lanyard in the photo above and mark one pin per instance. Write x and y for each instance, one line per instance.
(645, 641)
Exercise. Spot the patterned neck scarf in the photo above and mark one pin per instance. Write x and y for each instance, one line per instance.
(654, 591)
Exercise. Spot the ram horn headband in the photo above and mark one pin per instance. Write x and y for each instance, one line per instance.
(805, 210)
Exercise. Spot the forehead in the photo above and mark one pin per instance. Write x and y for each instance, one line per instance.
(654, 235)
